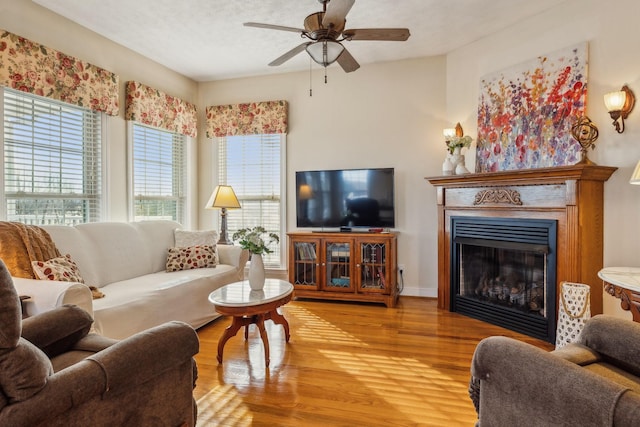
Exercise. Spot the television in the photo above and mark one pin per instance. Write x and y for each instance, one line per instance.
(345, 198)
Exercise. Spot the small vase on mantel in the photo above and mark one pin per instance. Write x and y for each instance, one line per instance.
(256, 272)
(448, 168)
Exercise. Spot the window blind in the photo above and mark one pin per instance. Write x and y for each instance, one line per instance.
(251, 164)
(159, 174)
(52, 160)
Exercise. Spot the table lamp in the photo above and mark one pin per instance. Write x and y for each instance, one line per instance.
(223, 197)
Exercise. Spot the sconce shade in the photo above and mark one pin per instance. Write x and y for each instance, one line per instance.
(619, 104)
(635, 177)
(223, 196)
(325, 52)
(614, 101)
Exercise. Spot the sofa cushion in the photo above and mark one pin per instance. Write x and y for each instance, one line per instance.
(108, 252)
(61, 268)
(152, 299)
(615, 374)
(186, 238)
(201, 256)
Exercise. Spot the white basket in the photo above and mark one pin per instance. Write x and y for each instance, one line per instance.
(574, 311)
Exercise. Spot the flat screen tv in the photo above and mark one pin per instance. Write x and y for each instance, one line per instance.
(345, 198)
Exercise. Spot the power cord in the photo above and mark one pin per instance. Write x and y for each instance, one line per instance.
(401, 281)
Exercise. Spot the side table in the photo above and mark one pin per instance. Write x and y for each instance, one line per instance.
(624, 284)
(248, 307)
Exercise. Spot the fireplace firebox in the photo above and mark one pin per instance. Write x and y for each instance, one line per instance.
(503, 272)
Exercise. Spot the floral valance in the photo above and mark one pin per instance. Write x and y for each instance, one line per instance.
(155, 108)
(34, 68)
(247, 119)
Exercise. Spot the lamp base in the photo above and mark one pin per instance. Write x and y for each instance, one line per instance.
(224, 239)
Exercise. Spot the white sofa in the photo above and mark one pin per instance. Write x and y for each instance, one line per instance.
(126, 261)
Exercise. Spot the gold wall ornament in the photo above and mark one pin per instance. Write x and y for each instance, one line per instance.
(498, 195)
(586, 133)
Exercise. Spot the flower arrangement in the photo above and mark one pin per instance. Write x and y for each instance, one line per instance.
(458, 142)
(252, 240)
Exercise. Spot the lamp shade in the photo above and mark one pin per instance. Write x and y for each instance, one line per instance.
(635, 177)
(614, 101)
(325, 52)
(223, 196)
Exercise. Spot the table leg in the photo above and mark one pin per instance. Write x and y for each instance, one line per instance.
(263, 335)
(231, 331)
(279, 319)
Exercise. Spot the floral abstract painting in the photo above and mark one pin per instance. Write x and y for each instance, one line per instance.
(525, 113)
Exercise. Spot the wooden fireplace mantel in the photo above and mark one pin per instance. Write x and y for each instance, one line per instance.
(571, 195)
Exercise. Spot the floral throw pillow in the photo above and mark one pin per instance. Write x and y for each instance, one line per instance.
(187, 258)
(62, 269)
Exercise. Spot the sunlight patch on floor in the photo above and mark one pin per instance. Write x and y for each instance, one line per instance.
(222, 406)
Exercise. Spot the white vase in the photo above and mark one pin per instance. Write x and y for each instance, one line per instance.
(256, 272)
(447, 167)
(461, 169)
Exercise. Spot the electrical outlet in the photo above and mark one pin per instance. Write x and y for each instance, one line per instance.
(401, 268)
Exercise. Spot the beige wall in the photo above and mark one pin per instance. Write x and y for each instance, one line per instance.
(614, 41)
(25, 18)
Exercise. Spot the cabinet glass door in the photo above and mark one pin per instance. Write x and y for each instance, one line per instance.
(373, 267)
(305, 265)
(338, 267)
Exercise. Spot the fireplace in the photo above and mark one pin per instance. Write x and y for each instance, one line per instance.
(475, 212)
(503, 272)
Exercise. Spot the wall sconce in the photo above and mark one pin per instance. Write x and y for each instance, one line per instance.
(619, 104)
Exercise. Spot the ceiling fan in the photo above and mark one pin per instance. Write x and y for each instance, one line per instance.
(325, 30)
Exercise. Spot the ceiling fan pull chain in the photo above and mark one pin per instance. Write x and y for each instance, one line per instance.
(310, 80)
(325, 75)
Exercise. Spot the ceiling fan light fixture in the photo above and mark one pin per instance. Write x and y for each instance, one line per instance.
(325, 52)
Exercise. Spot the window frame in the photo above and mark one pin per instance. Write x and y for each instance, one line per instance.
(188, 194)
(282, 262)
(101, 198)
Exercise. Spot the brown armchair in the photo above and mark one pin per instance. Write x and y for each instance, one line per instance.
(54, 372)
(592, 382)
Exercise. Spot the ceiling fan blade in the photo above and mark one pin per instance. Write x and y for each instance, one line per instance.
(383, 34)
(347, 62)
(290, 54)
(273, 27)
(336, 12)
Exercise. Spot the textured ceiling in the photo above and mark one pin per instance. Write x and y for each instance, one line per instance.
(205, 39)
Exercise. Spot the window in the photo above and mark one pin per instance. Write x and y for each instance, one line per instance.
(254, 166)
(159, 174)
(52, 161)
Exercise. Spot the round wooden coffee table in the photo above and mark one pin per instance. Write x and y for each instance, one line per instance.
(252, 307)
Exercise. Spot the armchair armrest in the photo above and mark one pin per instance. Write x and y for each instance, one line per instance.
(146, 354)
(49, 294)
(521, 382)
(58, 330)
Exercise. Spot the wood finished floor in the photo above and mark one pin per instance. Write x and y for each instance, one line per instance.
(347, 364)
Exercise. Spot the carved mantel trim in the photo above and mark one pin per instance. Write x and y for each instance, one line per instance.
(498, 195)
